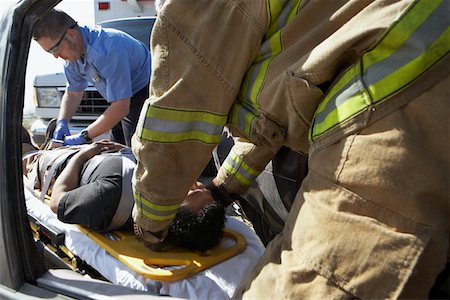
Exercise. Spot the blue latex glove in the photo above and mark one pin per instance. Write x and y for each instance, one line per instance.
(75, 139)
(61, 130)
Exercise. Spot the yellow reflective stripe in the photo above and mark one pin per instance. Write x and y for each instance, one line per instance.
(256, 85)
(279, 13)
(234, 115)
(268, 11)
(154, 217)
(236, 166)
(417, 17)
(164, 137)
(293, 13)
(274, 9)
(242, 118)
(352, 104)
(245, 86)
(409, 71)
(343, 82)
(167, 125)
(185, 115)
(155, 211)
(426, 40)
(389, 66)
(397, 35)
(156, 207)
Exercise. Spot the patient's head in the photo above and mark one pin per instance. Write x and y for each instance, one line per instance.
(27, 146)
(27, 142)
(199, 223)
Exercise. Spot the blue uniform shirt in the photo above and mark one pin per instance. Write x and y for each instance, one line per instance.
(117, 64)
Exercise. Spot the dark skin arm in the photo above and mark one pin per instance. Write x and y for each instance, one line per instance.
(69, 179)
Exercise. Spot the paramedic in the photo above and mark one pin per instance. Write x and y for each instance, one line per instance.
(95, 191)
(114, 62)
(362, 86)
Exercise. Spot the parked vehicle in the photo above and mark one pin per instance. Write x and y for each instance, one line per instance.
(114, 9)
(23, 273)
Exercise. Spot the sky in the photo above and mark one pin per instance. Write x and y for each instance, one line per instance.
(41, 62)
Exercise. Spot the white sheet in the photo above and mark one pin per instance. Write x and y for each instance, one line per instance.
(218, 282)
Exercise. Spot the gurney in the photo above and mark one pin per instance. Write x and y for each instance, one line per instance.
(75, 248)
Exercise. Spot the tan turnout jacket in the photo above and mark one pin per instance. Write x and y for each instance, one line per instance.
(261, 67)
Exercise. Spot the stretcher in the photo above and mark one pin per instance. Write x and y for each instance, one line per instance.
(86, 252)
(168, 265)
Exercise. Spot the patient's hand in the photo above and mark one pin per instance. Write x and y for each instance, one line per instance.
(90, 150)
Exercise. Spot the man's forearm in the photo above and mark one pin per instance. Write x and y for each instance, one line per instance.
(110, 117)
(69, 105)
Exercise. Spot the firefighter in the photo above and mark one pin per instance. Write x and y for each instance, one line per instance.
(361, 86)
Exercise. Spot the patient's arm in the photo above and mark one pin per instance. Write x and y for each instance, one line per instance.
(69, 178)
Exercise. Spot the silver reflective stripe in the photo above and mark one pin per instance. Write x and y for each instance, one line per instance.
(242, 118)
(168, 126)
(413, 47)
(156, 214)
(349, 90)
(284, 14)
(237, 168)
(279, 13)
(254, 72)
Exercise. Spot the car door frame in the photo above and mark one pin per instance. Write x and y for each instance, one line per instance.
(18, 254)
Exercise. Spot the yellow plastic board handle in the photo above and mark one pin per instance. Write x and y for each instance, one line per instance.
(154, 265)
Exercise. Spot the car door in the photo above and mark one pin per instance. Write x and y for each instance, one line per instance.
(18, 256)
(22, 272)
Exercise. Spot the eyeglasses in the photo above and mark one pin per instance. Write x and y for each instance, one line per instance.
(54, 48)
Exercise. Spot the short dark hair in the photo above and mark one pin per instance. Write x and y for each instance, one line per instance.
(198, 231)
(26, 137)
(52, 25)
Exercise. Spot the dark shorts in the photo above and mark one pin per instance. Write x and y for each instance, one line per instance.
(93, 205)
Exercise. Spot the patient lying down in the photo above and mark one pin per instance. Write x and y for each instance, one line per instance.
(90, 192)
(92, 188)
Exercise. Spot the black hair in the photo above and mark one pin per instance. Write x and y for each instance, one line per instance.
(26, 137)
(198, 231)
(53, 24)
